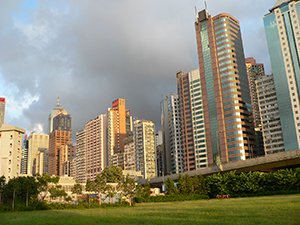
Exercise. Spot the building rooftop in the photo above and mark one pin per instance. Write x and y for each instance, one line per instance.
(7, 127)
(279, 3)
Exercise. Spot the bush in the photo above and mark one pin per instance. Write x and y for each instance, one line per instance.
(169, 198)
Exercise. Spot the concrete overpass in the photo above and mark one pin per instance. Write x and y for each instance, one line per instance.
(268, 163)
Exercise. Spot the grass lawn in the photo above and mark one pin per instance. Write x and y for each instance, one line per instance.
(256, 210)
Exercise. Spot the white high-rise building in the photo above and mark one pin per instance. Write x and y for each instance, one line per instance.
(10, 150)
(170, 123)
(144, 138)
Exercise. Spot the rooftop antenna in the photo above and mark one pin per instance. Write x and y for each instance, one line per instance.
(58, 100)
(196, 15)
(205, 5)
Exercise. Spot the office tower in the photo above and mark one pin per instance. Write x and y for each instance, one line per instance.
(81, 156)
(57, 138)
(2, 110)
(60, 136)
(170, 123)
(118, 126)
(129, 153)
(269, 113)
(52, 115)
(10, 150)
(35, 142)
(225, 89)
(192, 124)
(254, 72)
(283, 38)
(24, 157)
(62, 121)
(144, 138)
(95, 143)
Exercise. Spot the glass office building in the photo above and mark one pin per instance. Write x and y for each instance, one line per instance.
(283, 36)
(225, 89)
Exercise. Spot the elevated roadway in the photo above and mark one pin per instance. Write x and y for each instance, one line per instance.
(268, 163)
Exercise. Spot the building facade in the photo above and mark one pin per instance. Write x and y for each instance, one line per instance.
(283, 38)
(35, 142)
(81, 156)
(191, 110)
(119, 125)
(144, 138)
(129, 153)
(10, 151)
(95, 143)
(254, 72)
(269, 113)
(170, 123)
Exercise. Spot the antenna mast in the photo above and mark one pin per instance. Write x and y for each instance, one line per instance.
(196, 15)
(205, 5)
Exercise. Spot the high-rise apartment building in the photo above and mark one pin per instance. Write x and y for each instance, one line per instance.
(95, 144)
(283, 37)
(10, 151)
(226, 99)
(192, 123)
(52, 115)
(2, 110)
(118, 126)
(35, 142)
(24, 157)
(254, 72)
(129, 153)
(81, 156)
(269, 113)
(170, 123)
(144, 138)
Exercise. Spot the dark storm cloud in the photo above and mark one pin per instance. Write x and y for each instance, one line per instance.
(92, 52)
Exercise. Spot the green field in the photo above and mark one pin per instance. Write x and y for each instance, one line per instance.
(256, 210)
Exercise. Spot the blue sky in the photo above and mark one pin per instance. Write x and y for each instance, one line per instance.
(92, 52)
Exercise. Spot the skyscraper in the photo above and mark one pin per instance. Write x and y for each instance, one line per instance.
(81, 156)
(283, 37)
(170, 123)
(269, 113)
(118, 126)
(225, 89)
(95, 143)
(192, 123)
(144, 141)
(2, 110)
(254, 72)
(35, 142)
(52, 115)
(61, 135)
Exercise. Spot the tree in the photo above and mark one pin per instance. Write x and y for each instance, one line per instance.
(199, 186)
(112, 174)
(99, 185)
(11, 190)
(56, 191)
(110, 192)
(45, 182)
(143, 190)
(77, 188)
(170, 187)
(30, 185)
(90, 186)
(128, 188)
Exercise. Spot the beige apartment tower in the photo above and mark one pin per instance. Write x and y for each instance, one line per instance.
(10, 151)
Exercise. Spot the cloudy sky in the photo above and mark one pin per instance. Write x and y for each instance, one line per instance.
(91, 52)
